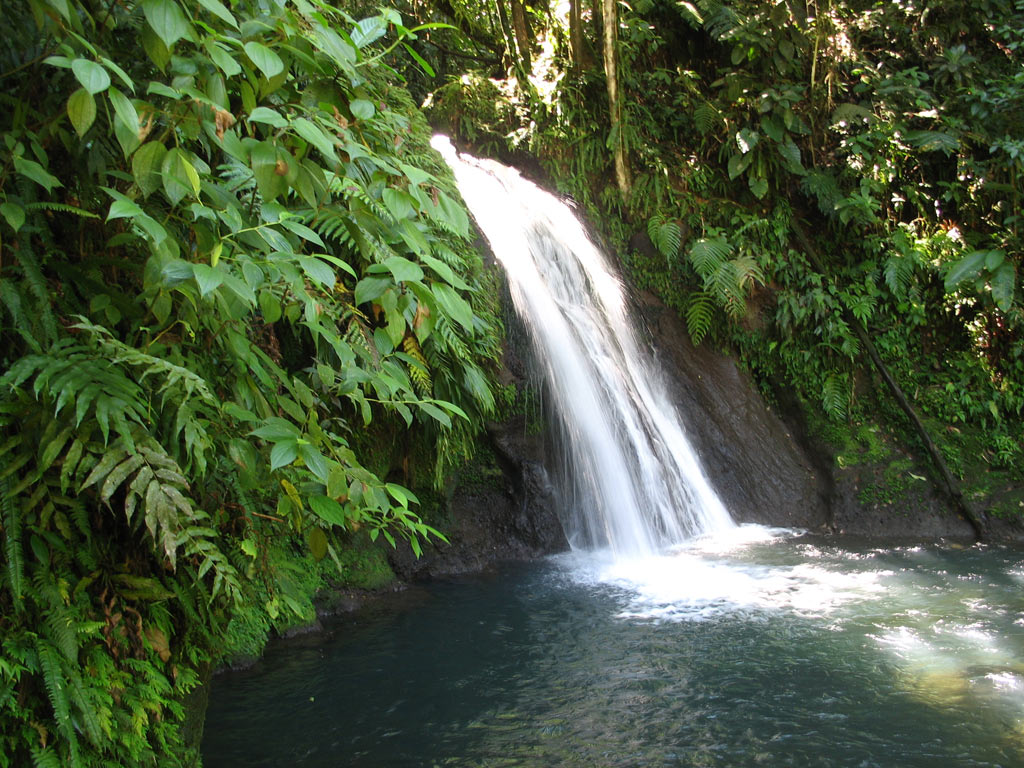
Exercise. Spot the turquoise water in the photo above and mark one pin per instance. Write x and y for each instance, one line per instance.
(764, 649)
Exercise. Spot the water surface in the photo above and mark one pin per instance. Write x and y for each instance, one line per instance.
(760, 649)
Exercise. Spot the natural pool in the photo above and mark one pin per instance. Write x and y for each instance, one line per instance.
(756, 648)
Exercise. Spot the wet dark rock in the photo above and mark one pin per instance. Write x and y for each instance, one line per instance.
(754, 460)
(512, 517)
(919, 513)
(767, 468)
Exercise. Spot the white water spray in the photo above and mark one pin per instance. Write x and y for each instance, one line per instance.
(638, 487)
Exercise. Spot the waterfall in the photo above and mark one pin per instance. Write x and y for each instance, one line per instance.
(634, 482)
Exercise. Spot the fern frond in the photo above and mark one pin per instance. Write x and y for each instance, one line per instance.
(899, 271)
(184, 382)
(45, 757)
(475, 383)
(452, 339)
(690, 13)
(60, 625)
(862, 306)
(10, 300)
(419, 370)
(448, 256)
(49, 205)
(708, 254)
(331, 221)
(706, 118)
(720, 20)
(81, 697)
(157, 483)
(724, 285)
(12, 542)
(66, 371)
(748, 272)
(852, 114)
(699, 313)
(359, 335)
(833, 396)
(824, 188)
(56, 689)
(40, 292)
(665, 234)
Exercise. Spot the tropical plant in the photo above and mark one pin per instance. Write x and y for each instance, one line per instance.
(226, 252)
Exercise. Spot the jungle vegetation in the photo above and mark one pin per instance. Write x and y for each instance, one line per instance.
(243, 330)
(240, 317)
(830, 190)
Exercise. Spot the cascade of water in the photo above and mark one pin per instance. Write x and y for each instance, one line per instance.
(637, 485)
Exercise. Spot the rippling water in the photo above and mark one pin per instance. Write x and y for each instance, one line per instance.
(759, 649)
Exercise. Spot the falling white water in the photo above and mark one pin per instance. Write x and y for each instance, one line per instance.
(637, 485)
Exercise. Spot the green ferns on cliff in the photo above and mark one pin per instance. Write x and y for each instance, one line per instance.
(804, 174)
(226, 251)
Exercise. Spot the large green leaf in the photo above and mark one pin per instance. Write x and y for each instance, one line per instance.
(179, 176)
(738, 164)
(91, 75)
(222, 58)
(207, 278)
(146, 166)
(317, 271)
(30, 169)
(217, 9)
(13, 214)
(318, 137)
(362, 109)
(283, 453)
(268, 62)
(758, 185)
(399, 203)
(403, 269)
(1004, 281)
(269, 116)
(328, 510)
(166, 18)
(454, 305)
(269, 169)
(81, 110)
(124, 110)
(968, 267)
(371, 288)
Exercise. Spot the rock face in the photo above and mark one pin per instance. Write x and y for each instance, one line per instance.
(923, 514)
(511, 517)
(507, 512)
(755, 462)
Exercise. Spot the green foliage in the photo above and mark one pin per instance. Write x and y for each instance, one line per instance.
(699, 314)
(226, 252)
(665, 234)
(892, 142)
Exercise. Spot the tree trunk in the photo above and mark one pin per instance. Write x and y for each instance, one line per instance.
(506, 33)
(611, 65)
(522, 31)
(950, 485)
(576, 35)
